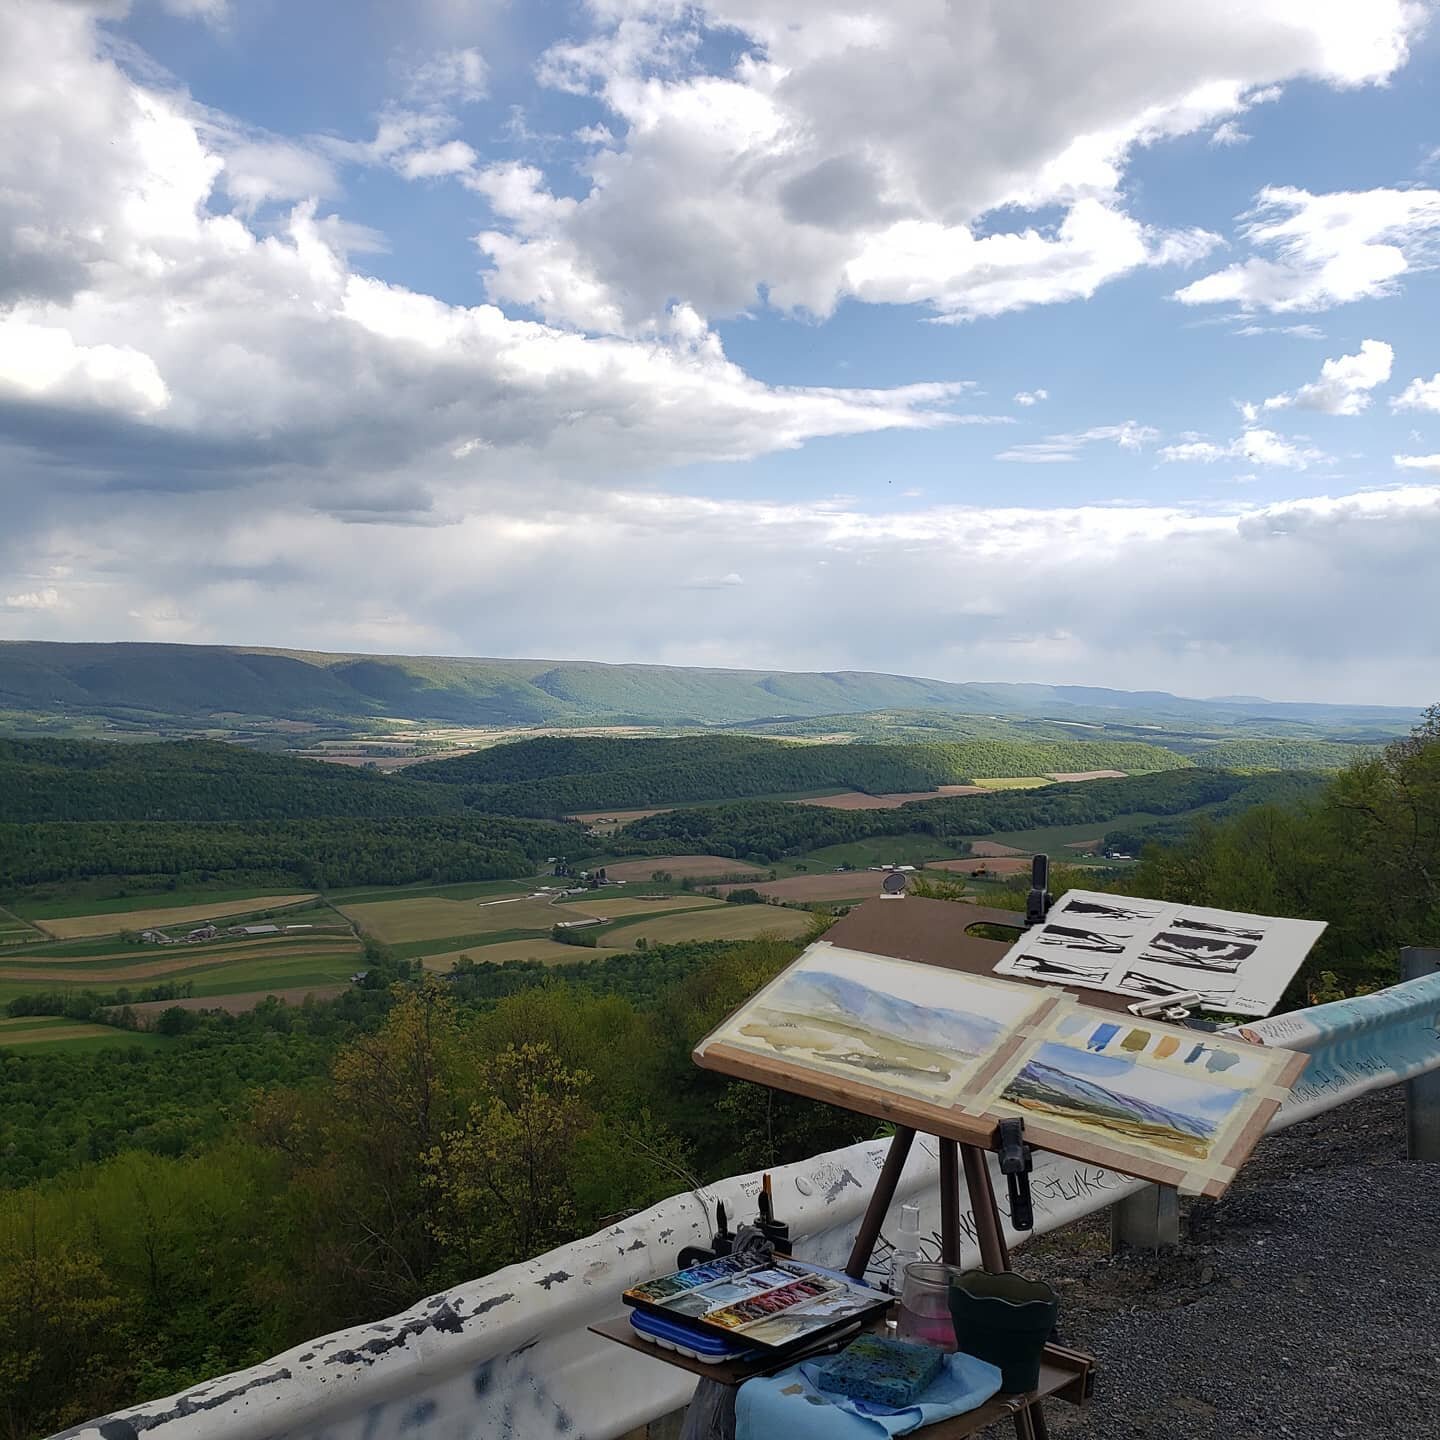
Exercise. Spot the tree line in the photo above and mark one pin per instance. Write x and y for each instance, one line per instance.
(193, 780)
(766, 830)
(311, 854)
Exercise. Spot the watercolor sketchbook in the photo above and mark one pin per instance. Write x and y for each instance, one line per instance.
(772, 1305)
(952, 1054)
(1237, 964)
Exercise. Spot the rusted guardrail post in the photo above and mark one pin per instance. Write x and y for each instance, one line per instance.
(1422, 1094)
(1147, 1220)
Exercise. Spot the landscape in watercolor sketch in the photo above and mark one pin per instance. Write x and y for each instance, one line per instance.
(1235, 963)
(902, 1026)
(1177, 1096)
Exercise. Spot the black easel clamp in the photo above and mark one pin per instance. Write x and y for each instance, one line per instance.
(1016, 1163)
(1038, 901)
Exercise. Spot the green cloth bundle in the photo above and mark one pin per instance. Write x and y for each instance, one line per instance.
(883, 1371)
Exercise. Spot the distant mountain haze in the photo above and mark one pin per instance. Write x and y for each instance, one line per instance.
(159, 683)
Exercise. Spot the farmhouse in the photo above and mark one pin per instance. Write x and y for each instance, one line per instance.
(203, 932)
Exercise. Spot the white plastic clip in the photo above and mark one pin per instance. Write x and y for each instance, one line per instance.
(1166, 1007)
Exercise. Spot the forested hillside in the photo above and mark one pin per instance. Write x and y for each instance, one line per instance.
(1280, 755)
(768, 831)
(311, 854)
(561, 776)
(1362, 853)
(193, 780)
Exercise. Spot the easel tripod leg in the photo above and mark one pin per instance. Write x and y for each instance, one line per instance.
(880, 1201)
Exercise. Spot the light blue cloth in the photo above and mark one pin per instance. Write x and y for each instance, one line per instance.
(794, 1404)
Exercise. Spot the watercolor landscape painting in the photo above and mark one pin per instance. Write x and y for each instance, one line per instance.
(899, 1025)
(1125, 1099)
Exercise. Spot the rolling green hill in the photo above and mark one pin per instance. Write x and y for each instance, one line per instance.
(1279, 755)
(148, 686)
(193, 780)
(554, 777)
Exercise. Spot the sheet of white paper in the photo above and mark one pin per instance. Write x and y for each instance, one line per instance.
(1238, 964)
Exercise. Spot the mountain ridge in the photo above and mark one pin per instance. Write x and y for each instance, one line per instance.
(158, 682)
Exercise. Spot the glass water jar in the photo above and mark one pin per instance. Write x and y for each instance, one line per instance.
(925, 1305)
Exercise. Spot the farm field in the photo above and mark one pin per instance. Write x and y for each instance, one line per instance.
(682, 867)
(623, 905)
(236, 1004)
(62, 907)
(606, 822)
(855, 800)
(1074, 775)
(111, 922)
(989, 847)
(1016, 782)
(992, 865)
(541, 948)
(463, 890)
(911, 849)
(727, 922)
(15, 931)
(210, 969)
(812, 889)
(43, 1033)
(431, 918)
(1053, 839)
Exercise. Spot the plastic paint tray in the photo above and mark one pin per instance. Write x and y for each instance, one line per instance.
(669, 1335)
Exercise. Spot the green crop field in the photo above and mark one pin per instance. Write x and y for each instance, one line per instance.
(41, 1034)
(210, 969)
(471, 890)
(879, 850)
(1053, 839)
(65, 907)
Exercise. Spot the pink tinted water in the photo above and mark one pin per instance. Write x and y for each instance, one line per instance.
(926, 1325)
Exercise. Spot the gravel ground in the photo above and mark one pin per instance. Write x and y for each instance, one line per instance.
(1302, 1304)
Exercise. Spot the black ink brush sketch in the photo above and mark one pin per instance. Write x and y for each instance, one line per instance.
(1233, 932)
(1064, 936)
(1047, 967)
(1204, 952)
(1140, 983)
(1100, 910)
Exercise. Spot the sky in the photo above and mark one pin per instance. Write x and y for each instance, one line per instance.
(983, 340)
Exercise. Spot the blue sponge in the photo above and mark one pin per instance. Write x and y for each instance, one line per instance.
(883, 1371)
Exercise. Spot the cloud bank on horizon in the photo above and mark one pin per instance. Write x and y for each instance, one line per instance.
(1080, 344)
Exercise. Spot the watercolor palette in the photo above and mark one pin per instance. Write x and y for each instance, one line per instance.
(771, 1305)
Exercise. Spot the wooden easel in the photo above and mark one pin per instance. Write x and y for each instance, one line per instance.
(994, 1253)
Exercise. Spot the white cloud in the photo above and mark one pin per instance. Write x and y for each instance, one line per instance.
(43, 362)
(1296, 594)
(1228, 133)
(1429, 463)
(1419, 394)
(46, 599)
(459, 75)
(1057, 449)
(258, 172)
(1031, 397)
(852, 151)
(1317, 251)
(1345, 383)
(1300, 332)
(1255, 445)
(214, 11)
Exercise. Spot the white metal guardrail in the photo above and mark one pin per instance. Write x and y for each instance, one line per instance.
(507, 1357)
